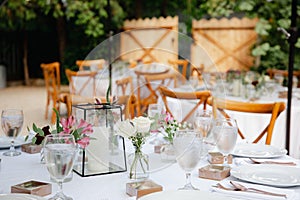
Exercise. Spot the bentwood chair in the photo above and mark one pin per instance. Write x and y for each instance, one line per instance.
(284, 73)
(89, 64)
(51, 72)
(176, 64)
(220, 106)
(82, 86)
(127, 97)
(152, 82)
(200, 96)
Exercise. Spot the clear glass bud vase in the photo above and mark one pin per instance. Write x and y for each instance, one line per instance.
(138, 163)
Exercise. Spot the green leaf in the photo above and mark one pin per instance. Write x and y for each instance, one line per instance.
(40, 132)
(108, 93)
(261, 50)
(58, 128)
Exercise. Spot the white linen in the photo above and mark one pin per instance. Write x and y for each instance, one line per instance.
(109, 187)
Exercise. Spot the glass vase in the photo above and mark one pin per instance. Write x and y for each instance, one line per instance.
(138, 165)
(167, 153)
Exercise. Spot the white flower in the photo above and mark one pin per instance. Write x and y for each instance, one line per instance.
(126, 129)
(142, 124)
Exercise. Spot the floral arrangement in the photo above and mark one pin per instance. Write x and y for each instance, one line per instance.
(81, 132)
(135, 130)
(170, 126)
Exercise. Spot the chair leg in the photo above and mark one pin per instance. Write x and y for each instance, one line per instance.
(47, 106)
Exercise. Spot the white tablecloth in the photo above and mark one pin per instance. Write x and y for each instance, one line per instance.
(15, 170)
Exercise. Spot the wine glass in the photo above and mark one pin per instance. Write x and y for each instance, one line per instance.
(59, 151)
(12, 122)
(187, 145)
(202, 125)
(154, 111)
(225, 132)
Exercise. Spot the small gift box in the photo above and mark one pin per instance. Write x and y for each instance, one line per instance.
(32, 187)
(31, 148)
(218, 158)
(214, 172)
(142, 188)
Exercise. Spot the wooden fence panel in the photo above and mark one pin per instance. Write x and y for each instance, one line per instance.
(223, 44)
(154, 39)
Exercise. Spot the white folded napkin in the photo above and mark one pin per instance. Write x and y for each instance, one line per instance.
(291, 194)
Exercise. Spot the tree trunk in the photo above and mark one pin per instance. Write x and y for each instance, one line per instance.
(25, 59)
(61, 33)
(139, 8)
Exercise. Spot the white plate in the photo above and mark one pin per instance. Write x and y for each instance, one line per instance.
(273, 175)
(183, 194)
(251, 150)
(5, 142)
(20, 197)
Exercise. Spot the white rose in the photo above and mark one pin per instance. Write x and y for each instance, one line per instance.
(126, 129)
(142, 124)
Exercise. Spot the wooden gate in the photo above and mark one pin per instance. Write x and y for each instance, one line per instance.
(223, 44)
(154, 40)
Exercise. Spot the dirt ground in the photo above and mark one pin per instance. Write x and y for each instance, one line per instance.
(32, 99)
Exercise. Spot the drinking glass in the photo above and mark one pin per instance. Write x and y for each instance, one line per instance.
(187, 145)
(60, 151)
(202, 125)
(12, 122)
(225, 132)
(155, 110)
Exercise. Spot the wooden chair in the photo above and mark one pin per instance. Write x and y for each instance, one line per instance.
(87, 64)
(274, 109)
(183, 71)
(272, 72)
(126, 97)
(202, 96)
(51, 72)
(86, 84)
(152, 83)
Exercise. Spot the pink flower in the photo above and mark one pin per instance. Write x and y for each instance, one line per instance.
(68, 123)
(87, 128)
(168, 117)
(84, 142)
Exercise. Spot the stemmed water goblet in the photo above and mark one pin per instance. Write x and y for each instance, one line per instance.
(12, 122)
(154, 110)
(59, 151)
(225, 132)
(187, 145)
(202, 125)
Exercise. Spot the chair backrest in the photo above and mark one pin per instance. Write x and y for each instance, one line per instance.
(82, 81)
(274, 109)
(87, 64)
(152, 83)
(127, 97)
(51, 73)
(125, 85)
(183, 64)
(284, 73)
(201, 96)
